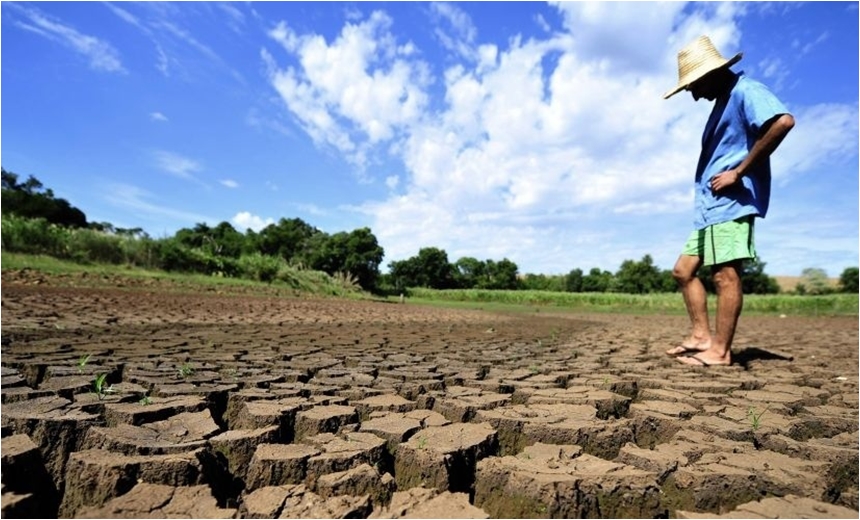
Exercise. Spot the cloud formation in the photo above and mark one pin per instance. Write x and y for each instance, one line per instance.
(245, 220)
(177, 165)
(533, 149)
(100, 54)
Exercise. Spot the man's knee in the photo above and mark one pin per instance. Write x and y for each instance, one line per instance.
(685, 270)
(727, 275)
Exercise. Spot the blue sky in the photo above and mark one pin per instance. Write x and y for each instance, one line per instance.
(529, 131)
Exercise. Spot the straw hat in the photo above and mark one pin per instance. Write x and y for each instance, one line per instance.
(697, 59)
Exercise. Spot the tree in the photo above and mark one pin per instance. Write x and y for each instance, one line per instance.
(430, 268)
(356, 253)
(542, 282)
(287, 239)
(638, 277)
(573, 281)
(813, 281)
(468, 272)
(848, 280)
(501, 275)
(596, 280)
(29, 201)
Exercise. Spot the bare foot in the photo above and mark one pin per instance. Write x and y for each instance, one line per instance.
(705, 359)
(689, 346)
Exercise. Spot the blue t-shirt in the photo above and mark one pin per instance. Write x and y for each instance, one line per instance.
(734, 125)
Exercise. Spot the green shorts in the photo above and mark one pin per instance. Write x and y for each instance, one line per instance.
(722, 243)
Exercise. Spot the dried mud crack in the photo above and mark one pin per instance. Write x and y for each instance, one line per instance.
(258, 406)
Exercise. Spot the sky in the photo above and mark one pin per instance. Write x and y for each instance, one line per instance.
(535, 132)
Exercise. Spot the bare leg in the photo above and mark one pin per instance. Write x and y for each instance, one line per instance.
(695, 298)
(730, 299)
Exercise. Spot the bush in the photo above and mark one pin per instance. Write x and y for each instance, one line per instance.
(87, 245)
(259, 267)
(34, 236)
(177, 257)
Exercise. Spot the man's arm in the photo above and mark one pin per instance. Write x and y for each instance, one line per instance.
(772, 135)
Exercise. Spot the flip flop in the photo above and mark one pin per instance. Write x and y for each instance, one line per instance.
(701, 362)
(681, 350)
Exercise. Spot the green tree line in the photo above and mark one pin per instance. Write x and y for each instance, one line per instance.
(37, 222)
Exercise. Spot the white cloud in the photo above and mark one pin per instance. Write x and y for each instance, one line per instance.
(229, 183)
(245, 220)
(177, 165)
(101, 54)
(158, 116)
(138, 202)
(824, 134)
(458, 34)
(353, 93)
(535, 150)
(312, 209)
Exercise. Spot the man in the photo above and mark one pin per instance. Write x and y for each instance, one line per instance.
(732, 187)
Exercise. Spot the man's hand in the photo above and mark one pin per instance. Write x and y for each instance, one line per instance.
(721, 181)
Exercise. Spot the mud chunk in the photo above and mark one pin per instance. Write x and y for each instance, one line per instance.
(159, 501)
(238, 447)
(558, 481)
(789, 506)
(323, 419)
(384, 402)
(720, 481)
(295, 501)
(419, 502)
(280, 413)
(180, 433)
(393, 427)
(462, 406)
(521, 425)
(342, 452)
(158, 409)
(24, 473)
(444, 457)
(52, 426)
(278, 464)
(358, 481)
(97, 476)
(608, 404)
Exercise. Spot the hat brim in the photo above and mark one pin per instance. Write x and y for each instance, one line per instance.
(736, 58)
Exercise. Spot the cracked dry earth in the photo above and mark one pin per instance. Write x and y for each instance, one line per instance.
(243, 406)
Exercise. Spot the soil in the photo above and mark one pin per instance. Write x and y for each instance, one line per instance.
(226, 403)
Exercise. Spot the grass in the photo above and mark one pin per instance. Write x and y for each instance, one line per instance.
(303, 282)
(101, 387)
(755, 418)
(82, 362)
(661, 303)
(319, 284)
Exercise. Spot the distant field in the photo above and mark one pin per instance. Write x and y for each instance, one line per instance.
(788, 283)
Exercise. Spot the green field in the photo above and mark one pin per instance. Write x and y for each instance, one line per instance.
(314, 283)
(663, 303)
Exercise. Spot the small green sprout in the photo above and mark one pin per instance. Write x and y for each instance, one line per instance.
(422, 442)
(82, 362)
(100, 386)
(145, 400)
(755, 418)
(185, 370)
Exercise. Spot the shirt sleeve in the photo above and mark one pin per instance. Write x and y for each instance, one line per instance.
(759, 106)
